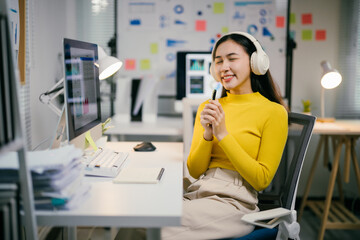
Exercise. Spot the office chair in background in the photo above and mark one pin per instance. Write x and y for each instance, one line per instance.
(282, 190)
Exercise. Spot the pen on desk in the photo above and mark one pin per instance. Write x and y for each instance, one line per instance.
(160, 174)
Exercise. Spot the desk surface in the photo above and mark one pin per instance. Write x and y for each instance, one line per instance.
(339, 127)
(130, 205)
(166, 126)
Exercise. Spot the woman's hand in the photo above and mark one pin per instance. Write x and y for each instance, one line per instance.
(212, 118)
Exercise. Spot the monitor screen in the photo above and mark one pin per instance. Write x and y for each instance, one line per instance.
(82, 89)
(193, 75)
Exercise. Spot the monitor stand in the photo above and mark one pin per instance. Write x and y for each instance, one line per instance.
(79, 141)
(95, 133)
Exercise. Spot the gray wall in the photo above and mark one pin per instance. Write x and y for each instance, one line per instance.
(306, 81)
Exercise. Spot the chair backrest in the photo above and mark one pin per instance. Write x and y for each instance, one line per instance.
(284, 185)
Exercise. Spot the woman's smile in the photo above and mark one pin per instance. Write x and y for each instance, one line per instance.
(227, 78)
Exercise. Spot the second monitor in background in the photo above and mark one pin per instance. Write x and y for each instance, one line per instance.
(193, 75)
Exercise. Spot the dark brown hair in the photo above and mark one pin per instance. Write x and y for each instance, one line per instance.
(264, 84)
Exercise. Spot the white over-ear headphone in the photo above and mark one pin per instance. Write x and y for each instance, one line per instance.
(259, 60)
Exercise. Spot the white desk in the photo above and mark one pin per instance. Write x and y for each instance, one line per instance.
(164, 126)
(130, 205)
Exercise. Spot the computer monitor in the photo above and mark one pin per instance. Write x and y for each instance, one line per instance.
(82, 91)
(193, 75)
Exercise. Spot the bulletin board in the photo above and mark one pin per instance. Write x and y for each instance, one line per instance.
(150, 32)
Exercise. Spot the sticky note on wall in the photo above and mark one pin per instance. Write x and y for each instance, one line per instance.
(306, 18)
(292, 18)
(219, 7)
(145, 64)
(320, 35)
(200, 25)
(306, 35)
(280, 21)
(130, 64)
(154, 48)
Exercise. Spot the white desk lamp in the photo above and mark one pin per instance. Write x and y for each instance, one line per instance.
(330, 79)
(108, 65)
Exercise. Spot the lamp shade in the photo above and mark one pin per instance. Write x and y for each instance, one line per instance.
(108, 65)
(331, 78)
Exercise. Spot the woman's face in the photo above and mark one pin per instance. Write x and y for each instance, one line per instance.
(232, 67)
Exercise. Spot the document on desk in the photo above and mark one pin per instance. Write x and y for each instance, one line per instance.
(268, 218)
(139, 175)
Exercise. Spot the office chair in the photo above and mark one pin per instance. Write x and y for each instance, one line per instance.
(282, 191)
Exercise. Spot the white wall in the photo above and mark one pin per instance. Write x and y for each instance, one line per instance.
(50, 22)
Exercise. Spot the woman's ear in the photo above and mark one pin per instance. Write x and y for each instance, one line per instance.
(212, 72)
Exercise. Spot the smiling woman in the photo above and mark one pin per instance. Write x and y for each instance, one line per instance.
(237, 145)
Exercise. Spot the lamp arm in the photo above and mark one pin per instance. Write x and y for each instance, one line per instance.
(47, 98)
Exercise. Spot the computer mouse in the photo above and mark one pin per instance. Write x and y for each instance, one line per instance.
(145, 147)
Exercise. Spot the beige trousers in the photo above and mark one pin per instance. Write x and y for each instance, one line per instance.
(212, 209)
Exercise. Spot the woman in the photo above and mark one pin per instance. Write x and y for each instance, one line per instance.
(237, 144)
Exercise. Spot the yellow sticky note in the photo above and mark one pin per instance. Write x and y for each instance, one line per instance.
(224, 29)
(219, 7)
(292, 18)
(89, 140)
(145, 64)
(306, 35)
(154, 48)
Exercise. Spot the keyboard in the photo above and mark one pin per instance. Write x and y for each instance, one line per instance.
(104, 162)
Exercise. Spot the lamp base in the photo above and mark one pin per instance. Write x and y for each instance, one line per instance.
(325, 119)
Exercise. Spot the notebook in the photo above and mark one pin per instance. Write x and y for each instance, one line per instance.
(268, 218)
(139, 175)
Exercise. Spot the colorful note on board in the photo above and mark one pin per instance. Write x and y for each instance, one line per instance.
(320, 35)
(306, 18)
(200, 25)
(306, 34)
(292, 18)
(130, 64)
(145, 64)
(154, 49)
(280, 21)
(219, 8)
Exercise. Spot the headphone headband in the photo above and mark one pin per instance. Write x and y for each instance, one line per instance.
(259, 60)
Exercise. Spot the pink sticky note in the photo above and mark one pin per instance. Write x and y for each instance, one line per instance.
(200, 25)
(306, 18)
(130, 64)
(320, 35)
(280, 21)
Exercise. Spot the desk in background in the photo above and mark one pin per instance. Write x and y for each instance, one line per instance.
(130, 205)
(167, 128)
(333, 214)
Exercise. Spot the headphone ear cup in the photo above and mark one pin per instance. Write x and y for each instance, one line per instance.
(259, 62)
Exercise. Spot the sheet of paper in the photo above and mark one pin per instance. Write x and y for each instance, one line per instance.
(139, 175)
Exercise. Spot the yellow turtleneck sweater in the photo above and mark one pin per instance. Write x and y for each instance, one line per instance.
(257, 135)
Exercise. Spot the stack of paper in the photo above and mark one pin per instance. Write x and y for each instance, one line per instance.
(57, 176)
